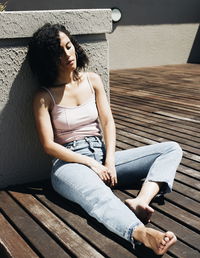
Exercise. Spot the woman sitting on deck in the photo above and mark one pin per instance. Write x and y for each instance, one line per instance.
(67, 108)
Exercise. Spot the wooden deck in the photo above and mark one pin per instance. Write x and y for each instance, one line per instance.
(149, 105)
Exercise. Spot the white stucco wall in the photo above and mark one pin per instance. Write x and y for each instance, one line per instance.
(21, 156)
(156, 32)
(151, 45)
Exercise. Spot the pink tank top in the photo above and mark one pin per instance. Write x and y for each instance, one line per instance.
(75, 123)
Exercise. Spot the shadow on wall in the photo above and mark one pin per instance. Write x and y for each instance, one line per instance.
(137, 12)
(194, 56)
(22, 158)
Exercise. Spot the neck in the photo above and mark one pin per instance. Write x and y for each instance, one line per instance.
(65, 77)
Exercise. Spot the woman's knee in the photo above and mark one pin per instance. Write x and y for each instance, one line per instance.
(175, 148)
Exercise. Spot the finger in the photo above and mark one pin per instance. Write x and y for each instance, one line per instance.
(103, 174)
(112, 182)
(108, 182)
(101, 177)
(105, 177)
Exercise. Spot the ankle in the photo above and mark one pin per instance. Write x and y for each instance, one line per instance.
(139, 233)
(142, 201)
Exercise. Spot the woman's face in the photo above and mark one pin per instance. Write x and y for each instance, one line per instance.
(68, 56)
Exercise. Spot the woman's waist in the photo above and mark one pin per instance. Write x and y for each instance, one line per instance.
(88, 143)
(79, 133)
(84, 141)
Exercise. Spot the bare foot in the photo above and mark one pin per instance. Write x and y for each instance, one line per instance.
(142, 211)
(159, 242)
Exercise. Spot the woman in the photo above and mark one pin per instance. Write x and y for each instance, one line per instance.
(67, 109)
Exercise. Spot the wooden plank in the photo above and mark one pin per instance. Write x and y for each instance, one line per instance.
(138, 114)
(191, 182)
(180, 249)
(184, 202)
(182, 104)
(70, 239)
(136, 118)
(92, 231)
(189, 220)
(162, 89)
(165, 113)
(168, 134)
(9, 237)
(187, 191)
(166, 108)
(134, 86)
(158, 137)
(137, 103)
(178, 117)
(29, 229)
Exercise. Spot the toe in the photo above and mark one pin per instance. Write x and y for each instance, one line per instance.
(171, 238)
(149, 210)
(161, 247)
(166, 239)
(169, 235)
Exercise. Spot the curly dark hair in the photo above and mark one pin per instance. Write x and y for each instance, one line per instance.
(44, 53)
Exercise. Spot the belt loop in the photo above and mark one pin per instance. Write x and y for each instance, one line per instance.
(89, 142)
(74, 143)
(98, 139)
(87, 139)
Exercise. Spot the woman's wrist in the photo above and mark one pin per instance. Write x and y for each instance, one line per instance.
(89, 161)
(110, 161)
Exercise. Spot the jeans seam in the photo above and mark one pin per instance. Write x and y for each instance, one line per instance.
(122, 163)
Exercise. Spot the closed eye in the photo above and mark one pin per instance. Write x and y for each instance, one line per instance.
(68, 45)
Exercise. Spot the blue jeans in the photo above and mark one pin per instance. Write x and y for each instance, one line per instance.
(82, 185)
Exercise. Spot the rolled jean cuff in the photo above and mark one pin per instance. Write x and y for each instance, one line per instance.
(165, 188)
(130, 230)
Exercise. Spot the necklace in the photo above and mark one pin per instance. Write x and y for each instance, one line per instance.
(59, 84)
(68, 85)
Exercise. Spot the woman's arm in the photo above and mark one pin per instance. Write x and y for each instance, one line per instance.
(107, 123)
(41, 107)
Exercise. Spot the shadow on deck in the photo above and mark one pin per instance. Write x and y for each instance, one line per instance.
(149, 105)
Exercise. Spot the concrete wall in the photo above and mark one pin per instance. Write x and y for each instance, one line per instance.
(21, 157)
(151, 32)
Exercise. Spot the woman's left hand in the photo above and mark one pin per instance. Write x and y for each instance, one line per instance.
(112, 173)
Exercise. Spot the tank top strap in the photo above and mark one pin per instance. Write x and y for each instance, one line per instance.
(90, 84)
(50, 94)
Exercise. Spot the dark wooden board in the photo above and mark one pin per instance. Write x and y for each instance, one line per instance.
(9, 237)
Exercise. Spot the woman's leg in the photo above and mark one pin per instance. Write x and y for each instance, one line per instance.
(156, 164)
(80, 184)
(140, 204)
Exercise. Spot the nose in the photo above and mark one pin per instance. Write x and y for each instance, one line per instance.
(66, 53)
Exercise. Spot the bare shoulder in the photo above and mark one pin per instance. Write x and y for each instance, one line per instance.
(93, 76)
(96, 81)
(41, 98)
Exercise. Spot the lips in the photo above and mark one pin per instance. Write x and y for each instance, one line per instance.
(70, 61)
